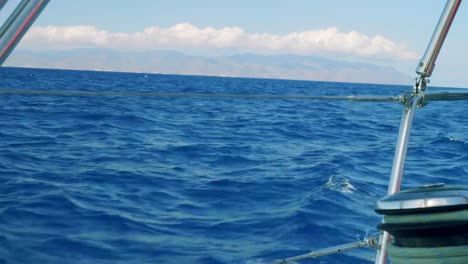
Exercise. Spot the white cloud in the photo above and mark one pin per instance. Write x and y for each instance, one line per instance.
(188, 36)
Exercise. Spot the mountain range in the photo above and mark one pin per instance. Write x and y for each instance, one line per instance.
(294, 67)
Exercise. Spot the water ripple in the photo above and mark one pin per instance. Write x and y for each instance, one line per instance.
(178, 180)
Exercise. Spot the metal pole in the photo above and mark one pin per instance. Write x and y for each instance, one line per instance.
(325, 252)
(371, 241)
(17, 24)
(427, 63)
(398, 165)
(424, 69)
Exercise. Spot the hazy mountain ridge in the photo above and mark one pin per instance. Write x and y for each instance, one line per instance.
(242, 65)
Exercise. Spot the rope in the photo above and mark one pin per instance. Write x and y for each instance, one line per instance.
(201, 95)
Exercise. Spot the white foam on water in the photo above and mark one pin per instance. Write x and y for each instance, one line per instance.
(339, 184)
(455, 139)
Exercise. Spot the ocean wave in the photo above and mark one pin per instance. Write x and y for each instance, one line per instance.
(197, 180)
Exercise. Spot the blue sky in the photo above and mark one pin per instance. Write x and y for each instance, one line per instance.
(404, 26)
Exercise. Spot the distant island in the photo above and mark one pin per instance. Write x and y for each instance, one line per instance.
(294, 67)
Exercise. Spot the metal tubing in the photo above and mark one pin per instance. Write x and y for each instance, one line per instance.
(398, 165)
(17, 24)
(445, 96)
(324, 252)
(427, 63)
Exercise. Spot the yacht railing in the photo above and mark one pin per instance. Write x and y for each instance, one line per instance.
(424, 70)
(427, 63)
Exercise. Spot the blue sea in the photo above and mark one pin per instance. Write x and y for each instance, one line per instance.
(132, 179)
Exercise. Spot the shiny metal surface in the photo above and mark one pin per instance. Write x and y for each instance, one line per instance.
(424, 199)
(424, 69)
(371, 242)
(402, 143)
(398, 164)
(17, 24)
(427, 63)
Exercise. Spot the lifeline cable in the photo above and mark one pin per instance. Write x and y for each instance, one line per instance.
(445, 96)
(202, 95)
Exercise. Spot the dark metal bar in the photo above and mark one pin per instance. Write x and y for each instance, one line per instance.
(445, 96)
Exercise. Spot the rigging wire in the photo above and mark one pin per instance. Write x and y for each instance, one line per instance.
(201, 95)
(444, 96)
